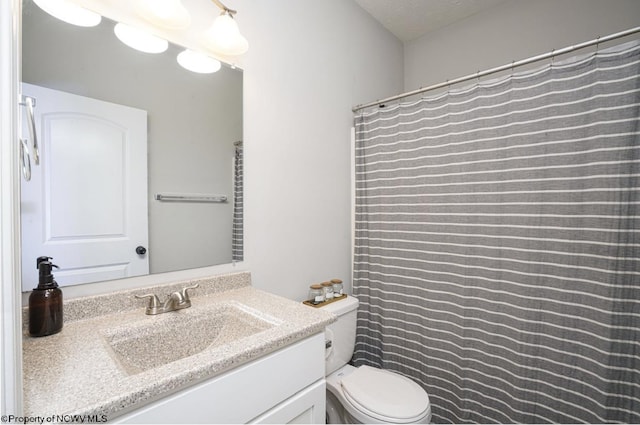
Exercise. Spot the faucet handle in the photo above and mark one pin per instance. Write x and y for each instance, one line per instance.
(154, 303)
(184, 290)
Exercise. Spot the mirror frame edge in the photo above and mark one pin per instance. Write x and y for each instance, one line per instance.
(10, 291)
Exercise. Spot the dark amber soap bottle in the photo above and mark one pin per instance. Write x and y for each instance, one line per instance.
(45, 302)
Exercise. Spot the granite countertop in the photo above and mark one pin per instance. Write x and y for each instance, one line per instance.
(76, 372)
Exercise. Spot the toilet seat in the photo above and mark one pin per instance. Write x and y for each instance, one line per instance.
(385, 396)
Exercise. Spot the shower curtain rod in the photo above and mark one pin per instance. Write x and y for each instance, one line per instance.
(512, 65)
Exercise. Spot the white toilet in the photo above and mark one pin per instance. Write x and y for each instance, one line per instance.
(366, 394)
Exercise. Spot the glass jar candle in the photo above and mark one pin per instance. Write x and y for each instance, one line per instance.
(316, 294)
(338, 289)
(328, 290)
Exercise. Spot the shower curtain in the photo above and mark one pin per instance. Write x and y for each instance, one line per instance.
(497, 244)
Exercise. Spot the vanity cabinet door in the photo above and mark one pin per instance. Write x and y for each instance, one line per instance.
(306, 407)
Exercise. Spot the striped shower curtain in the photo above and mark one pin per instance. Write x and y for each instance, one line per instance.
(497, 244)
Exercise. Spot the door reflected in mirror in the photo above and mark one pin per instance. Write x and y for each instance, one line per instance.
(91, 202)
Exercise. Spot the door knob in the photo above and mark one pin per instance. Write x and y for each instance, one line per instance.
(141, 250)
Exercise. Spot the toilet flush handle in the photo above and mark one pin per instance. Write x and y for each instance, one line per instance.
(328, 342)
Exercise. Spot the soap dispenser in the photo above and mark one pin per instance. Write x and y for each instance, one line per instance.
(45, 302)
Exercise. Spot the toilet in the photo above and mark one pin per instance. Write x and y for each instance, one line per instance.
(365, 394)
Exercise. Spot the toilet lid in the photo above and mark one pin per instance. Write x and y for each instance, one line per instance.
(385, 395)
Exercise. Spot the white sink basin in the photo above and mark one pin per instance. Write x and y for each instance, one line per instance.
(168, 337)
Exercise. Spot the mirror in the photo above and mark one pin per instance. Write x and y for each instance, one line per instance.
(193, 147)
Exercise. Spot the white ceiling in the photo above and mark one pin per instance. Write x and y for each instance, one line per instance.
(411, 19)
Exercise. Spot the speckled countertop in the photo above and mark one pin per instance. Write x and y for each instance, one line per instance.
(77, 371)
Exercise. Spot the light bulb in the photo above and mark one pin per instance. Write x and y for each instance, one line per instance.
(224, 36)
(139, 39)
(197, 62)
(170, 14)
(69, 12)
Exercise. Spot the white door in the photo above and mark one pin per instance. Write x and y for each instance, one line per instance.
(86, 203)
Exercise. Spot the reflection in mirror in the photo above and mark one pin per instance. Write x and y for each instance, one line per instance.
(116, 128)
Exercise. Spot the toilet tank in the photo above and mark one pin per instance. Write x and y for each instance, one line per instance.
(341, 334)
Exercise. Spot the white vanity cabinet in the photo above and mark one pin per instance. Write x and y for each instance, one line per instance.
(286, 386)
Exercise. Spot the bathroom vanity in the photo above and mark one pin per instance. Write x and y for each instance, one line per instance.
(236, 355)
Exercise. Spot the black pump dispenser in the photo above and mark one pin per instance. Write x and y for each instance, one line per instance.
(45, 302)
(46, 277)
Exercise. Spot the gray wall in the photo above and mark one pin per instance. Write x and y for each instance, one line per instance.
(193, 120)
(511, 31)
(308, 64)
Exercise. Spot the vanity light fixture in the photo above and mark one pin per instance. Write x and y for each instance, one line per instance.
(198, 62)
(169, 14)
(223, 37)
(69, 12)
(139, 39)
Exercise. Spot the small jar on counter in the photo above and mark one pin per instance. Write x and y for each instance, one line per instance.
(338, 289)
(328, 290)
(316, 294)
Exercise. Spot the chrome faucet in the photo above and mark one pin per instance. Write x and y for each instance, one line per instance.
(175, 301)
